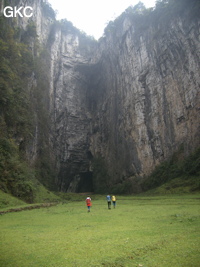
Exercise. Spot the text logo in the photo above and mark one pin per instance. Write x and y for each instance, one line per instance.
(13, 12)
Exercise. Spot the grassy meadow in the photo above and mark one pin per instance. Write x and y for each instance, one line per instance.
(142, 231)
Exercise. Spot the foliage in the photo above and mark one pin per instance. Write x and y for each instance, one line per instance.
(54, 27)
(15, 62)
(48, 10)
(161, 14)
(16, 66)
(176, 167)
(177, 186)
(130, 185)
(15, 175)
(43, 195)
(23, 107)
(17, 178)
(135, 13)
(122, 188)
(165, 10)
(30, 34)
(178, 174)
(67, 27)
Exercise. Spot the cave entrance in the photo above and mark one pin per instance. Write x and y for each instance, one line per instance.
(86, 182)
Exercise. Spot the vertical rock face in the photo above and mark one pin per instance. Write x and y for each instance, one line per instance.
(147, 100)
(134, 104)
(132, 98)
(42, 16)
(71, 119)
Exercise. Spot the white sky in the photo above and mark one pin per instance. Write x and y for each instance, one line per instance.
(92, 16)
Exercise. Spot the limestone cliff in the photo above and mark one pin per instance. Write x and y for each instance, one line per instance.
(71, 119)
(146, 94)
(143, 94)
(131, 99)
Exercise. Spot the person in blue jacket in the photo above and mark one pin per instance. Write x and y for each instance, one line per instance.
(109, 201)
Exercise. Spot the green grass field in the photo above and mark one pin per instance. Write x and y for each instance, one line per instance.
(141, 231)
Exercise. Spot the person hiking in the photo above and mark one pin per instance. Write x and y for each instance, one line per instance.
(109, 201)
(88, 203)
(114, 201)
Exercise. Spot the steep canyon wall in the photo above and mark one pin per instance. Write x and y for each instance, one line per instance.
(147, 104)
(131, 99)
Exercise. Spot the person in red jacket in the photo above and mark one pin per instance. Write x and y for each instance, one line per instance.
(88, 203)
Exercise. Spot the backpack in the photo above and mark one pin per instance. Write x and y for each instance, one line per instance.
(88, 201)
(108, 198)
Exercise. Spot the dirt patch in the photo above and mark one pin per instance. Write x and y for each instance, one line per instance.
(38, 206)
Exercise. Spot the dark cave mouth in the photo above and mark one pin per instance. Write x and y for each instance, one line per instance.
(86, 183)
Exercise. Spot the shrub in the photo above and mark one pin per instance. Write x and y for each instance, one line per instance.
(15, 176)
(175, 167)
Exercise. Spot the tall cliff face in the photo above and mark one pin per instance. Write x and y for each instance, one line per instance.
(70, 117)
(147, 100)
(129, 100)
(133, 101)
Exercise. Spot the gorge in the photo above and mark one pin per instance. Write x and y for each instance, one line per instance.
(110, 111)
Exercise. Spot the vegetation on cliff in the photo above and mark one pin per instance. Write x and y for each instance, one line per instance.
(23, 107)
(178, 174)
(16, 121)
(159, 17)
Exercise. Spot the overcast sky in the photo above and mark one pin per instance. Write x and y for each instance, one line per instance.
(92, 16)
